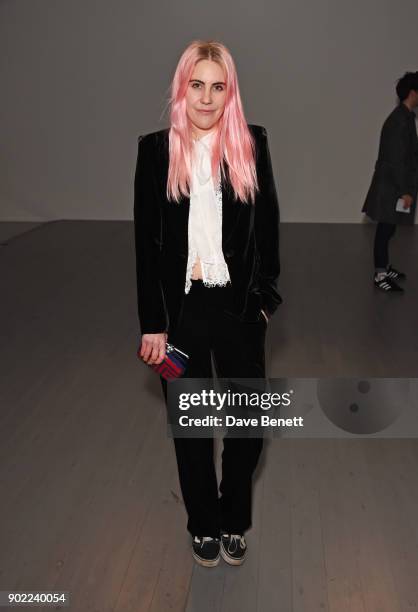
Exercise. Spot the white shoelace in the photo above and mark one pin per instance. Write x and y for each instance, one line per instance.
(204, 539)
(233, 544)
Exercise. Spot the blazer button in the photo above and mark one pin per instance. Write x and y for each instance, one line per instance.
(229, 253)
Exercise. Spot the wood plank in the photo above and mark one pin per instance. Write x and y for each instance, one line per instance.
(342, 571)
(275, 568)
(396, 526)
(308, 565)
(361, 509)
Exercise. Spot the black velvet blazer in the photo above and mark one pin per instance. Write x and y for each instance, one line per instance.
(250, 239)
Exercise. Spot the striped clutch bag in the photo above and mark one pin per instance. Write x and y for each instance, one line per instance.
(173, 364)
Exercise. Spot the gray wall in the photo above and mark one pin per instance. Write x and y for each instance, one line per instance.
(81, 79)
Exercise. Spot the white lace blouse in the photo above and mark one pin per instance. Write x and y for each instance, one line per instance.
(205, 219)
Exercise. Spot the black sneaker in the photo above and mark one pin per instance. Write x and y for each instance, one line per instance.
(394, 274)
(206, 551)
(387, 284)
(233, 548)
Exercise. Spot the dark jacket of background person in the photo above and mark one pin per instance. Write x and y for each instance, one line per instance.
(250, 239)
(396, 169)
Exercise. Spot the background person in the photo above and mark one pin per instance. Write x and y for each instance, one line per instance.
(395, 176)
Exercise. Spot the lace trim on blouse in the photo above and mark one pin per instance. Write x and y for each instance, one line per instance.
(214, 274)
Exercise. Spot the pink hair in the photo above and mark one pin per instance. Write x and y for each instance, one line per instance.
(233, 144)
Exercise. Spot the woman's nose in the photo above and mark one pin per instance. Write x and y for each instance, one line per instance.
(207, 99)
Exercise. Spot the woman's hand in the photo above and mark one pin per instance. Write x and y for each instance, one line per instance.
(153, 348)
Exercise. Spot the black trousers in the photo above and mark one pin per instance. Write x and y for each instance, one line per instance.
(384, 232)
(238, 351)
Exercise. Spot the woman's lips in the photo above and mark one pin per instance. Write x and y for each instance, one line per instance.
(206, 112)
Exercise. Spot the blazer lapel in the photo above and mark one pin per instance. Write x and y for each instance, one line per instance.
(231, 211)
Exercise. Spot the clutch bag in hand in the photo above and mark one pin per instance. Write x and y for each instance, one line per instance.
(173, 364)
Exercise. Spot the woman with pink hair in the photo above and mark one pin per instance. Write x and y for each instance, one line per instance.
(207, 260)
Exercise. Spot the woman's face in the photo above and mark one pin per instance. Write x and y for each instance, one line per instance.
(205, 97)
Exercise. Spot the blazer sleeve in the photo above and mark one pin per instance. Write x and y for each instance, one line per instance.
(398, 153)
(152, 313)
(266, 222)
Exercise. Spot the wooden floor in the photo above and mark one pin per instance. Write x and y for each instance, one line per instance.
(90, 500)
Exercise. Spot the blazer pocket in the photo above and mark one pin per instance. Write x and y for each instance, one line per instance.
(253, 309)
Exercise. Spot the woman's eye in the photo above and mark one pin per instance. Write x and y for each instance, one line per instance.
(217, 87)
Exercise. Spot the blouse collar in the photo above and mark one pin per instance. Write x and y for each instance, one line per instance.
(202, 162)
(206, 139)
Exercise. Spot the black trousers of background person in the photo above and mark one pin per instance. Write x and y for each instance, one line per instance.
(238, 351)
(384, 232)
